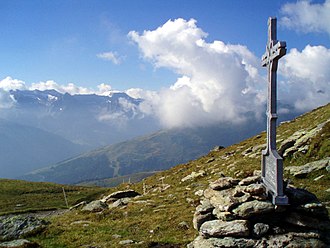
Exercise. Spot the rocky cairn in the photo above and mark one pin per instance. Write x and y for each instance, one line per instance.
(238, 213)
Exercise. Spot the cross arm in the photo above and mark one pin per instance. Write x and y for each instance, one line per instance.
(274, 52)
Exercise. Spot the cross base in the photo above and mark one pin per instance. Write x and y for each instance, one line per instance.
(272, 176)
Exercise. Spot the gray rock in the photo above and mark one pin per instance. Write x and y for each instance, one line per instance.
(205, 207)
(199, 219)
(223, 183)
(225, 216)
(19, 243)
(252, 208)
(255, 189)
(218, 228)
(119, 203)
(193, 176)
(260, 229)
(292, 240)
(95, 206)
(250, 180)
(226, 199)
(17, 227)
(126, 242)
(121, 194)
(227, 242)
(304, 170)
(183, 225)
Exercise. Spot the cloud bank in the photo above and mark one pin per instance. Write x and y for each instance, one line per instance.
(10, 83)
(305, 16)
(217, 81)
(220, 82)
(307, 77)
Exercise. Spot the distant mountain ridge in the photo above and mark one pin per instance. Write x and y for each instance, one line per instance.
(90, 120)
(87, 122)
(157, 151)
(24, 148)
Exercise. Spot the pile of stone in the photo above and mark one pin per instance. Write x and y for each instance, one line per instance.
(237, 213)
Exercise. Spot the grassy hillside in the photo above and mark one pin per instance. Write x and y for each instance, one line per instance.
(163, 216)
(18, 196)
(158, 151)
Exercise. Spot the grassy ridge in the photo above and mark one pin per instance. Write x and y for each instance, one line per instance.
(156, 218)
(157, 221)
(22, 196)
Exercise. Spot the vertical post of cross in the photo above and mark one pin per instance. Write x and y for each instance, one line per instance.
(272, 163)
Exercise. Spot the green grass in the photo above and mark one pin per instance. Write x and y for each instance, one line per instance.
(22, 196)
(158, 220)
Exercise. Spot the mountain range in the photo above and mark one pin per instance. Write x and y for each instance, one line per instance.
(45, 131)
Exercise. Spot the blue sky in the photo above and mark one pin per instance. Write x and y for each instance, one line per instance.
(204, 51)
(60, 40)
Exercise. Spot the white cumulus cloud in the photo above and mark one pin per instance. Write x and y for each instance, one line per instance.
(9, 83)
(306, 16)
(307, 77)
(217, 81)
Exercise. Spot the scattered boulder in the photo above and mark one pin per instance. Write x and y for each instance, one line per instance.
(16, 227)
(120, 194)
(299, 141)
(95, 206)
(304, 170)
(19, 243)
(126, 242)
(193, 175)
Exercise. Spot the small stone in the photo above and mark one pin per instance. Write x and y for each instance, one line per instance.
(116, 236)
(255, 189)
(218, 228)
(199, 193)
(318, 178)
(250, 180)
(126, 242)
(260, 229)
(225, 216)
(193, 176)
(183, 225)
(223, 183)
(205, 207)
(199, 219)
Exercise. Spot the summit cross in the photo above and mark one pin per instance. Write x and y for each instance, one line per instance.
(272, 163)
